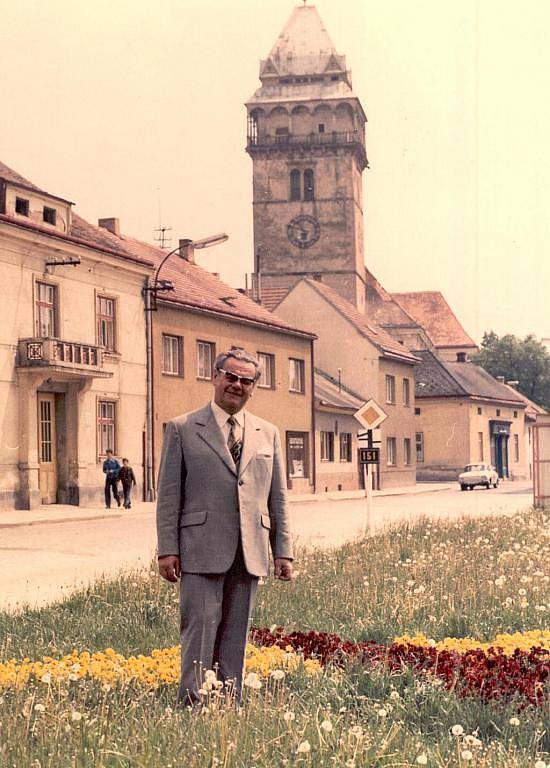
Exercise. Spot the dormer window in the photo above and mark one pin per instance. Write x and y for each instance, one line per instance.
(21, 206)
(49, 215)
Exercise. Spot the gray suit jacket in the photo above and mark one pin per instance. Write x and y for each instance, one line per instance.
(203, 505)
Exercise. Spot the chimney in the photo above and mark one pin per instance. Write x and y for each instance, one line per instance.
(187, 250)
(112, 224)
(500, 378)
(461, 357)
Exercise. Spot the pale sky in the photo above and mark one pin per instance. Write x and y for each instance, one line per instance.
(135, 110)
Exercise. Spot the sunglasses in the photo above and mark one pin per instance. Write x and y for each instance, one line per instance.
(233, 378)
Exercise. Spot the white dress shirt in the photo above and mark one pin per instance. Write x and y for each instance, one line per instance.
(222, 416)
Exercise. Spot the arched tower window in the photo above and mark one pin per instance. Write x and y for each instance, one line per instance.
(295, 184)
(309, 189)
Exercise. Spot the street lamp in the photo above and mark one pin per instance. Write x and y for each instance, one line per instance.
(152, 288)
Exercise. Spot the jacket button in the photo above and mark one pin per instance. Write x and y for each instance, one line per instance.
(241, 482)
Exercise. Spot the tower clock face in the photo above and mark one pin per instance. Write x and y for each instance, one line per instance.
(303, 231)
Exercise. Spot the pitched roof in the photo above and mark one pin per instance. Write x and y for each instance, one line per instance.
(196, 288)
(439, 378)
(80, 232)
(532, 409)
(304, 46)
(15, 178)
(374, 333)
(330, 393)
(431, 311)
(383, 308)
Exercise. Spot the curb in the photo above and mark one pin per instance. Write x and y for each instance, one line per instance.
(54, 520)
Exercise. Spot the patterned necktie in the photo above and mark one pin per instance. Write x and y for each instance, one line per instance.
(235, 441)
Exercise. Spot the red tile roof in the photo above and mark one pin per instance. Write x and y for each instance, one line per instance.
(374, 333)
(15, 178)
(196, 288)
(431, 311)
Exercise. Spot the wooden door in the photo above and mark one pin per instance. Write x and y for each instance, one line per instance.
(47, 454)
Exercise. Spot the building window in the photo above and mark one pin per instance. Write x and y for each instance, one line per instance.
(205, 359)
(419, 441)
(21, 206)
(296, 377)
(407, 451)
(327, 446)
(390, 389)
(417, 411)
(49, 215)
(479, 411)
(295, 184)
(46, 310)
(106, 426)
(106, 317)
(172, 355)
(345, 446)
(391, 451)
(498, 411)
(406, 392)
(515, 414)
(480, 446)
(321, 127)
(516, 448)
(267, 379)
(309, 190)
(297, 453)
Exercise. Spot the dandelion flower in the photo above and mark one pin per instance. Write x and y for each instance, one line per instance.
(39, 708)
(422, 759)
(466, 755)
(289, 716)
(457, 730)
(303, 748)
(514, 721)
(382, 713)
(540, 764)
(76, 717)
(326, 725)
(277, 674)
(46, 678)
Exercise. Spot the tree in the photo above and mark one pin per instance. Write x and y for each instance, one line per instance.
(526, 361)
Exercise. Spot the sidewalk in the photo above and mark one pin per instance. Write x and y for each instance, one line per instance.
(67, 513)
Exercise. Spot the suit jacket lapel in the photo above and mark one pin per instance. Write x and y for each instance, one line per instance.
(208, 430)
(252, 432)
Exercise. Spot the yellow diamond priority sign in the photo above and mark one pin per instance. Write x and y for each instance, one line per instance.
(370, 415)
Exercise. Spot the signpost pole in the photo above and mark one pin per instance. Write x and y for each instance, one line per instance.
(368, 490)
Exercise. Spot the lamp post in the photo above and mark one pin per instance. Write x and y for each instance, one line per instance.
(152, 288)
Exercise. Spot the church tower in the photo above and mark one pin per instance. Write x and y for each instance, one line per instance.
(306, 138)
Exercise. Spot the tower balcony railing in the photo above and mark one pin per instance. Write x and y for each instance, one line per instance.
(260, 141)
(61, 356)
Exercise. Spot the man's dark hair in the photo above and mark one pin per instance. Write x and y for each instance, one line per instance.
(125, 460)
(109, 450)
(237, 353)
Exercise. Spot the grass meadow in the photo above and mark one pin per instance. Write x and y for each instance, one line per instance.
(474, 578)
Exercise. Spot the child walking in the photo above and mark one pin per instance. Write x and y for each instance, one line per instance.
(128, 479)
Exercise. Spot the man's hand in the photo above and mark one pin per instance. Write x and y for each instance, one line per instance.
(283, 569)
(170, 567)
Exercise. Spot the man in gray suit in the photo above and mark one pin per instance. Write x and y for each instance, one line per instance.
(221, 505)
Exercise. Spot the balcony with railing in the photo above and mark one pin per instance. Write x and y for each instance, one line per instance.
(69, 357)
(261, 142)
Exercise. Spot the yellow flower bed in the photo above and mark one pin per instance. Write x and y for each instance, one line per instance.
(522, 641)
(161, 667)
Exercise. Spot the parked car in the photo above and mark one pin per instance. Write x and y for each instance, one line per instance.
(478, 474)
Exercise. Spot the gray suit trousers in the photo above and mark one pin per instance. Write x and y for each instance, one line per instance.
(214, 616)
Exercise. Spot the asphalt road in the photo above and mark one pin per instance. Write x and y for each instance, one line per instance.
(43, 562)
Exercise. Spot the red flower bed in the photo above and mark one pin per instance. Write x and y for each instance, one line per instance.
(490, 675)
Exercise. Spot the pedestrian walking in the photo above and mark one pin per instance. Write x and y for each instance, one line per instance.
(111, 468)
(221, 505)
(128, 479)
